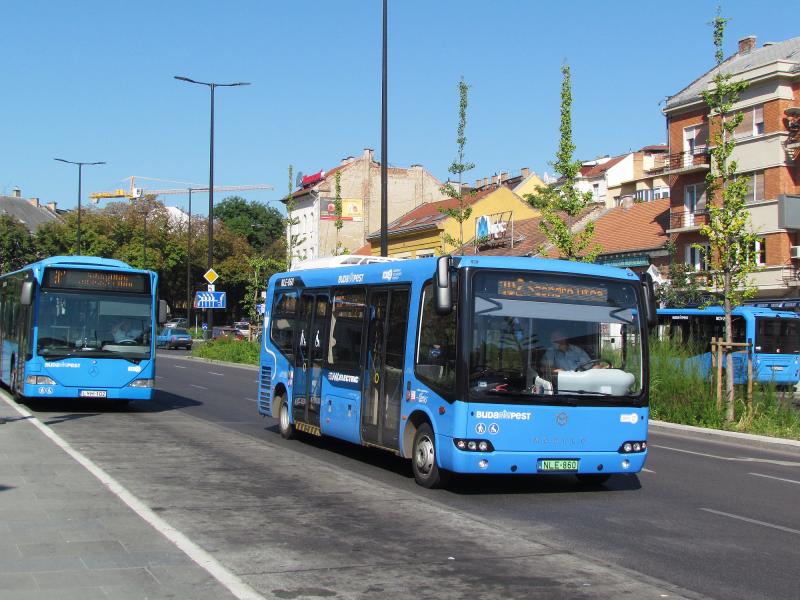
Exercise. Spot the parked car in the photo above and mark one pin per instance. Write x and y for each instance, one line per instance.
(178, 322)
(243, 327)
(174, 337)
(227, 332)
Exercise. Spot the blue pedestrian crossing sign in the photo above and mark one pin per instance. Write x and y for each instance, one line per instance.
(209, 300)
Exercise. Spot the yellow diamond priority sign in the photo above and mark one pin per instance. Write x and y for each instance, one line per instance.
(211, 276)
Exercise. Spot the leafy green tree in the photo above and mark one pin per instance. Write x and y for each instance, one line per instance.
(338, 223)
(16, 245)
(293, 239)
(261, 269)
(262, 225)
(561, 203)
(462, 211)
(729, 232)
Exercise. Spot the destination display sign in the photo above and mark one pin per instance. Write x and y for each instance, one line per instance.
(520, 287)
(101, 281)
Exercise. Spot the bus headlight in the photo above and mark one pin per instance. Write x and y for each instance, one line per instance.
(141, 383)
(39, 380)
(474, 445)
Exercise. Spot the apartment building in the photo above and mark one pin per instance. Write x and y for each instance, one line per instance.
(767, 155)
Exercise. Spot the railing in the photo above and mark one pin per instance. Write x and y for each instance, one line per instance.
(684, 218)
(680, 160)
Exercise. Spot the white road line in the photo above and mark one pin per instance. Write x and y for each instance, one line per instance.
(203, 559)
(212, 373)
(777, 478)
(179, 366)
(754, 521)
(250, 399)
(199, 387)
(648, 470)
(781, 463)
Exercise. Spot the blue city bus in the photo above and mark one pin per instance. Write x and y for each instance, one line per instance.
(448, 361)
(79, 327)
(775, 338)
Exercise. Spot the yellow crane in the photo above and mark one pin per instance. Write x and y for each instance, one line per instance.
(136, 192)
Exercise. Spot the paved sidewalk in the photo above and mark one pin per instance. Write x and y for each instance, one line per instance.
(63, 534)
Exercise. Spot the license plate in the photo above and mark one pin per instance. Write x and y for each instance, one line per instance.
(93, 393)
(558, 464)
(777, 368)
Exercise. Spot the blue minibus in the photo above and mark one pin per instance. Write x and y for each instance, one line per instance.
(485, 365)
(79, 327)
(774, 335)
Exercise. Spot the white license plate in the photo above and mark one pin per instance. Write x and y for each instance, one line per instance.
(93, 393)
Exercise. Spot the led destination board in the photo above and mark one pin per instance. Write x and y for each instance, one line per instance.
(101, 281)
(543, 290)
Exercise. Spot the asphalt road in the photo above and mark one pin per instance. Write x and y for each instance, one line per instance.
(321, 518)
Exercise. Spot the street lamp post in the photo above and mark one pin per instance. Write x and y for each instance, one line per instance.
(80, 168)
(212, 86)
(189, 264)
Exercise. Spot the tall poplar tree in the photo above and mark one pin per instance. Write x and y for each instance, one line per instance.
(731, 240)
(561, 203)
(462, 211)
(292, 239)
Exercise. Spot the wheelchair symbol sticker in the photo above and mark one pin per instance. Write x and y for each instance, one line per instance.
(494, 428)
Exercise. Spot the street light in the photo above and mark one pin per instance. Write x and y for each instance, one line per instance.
(212, 86)
(80, 167)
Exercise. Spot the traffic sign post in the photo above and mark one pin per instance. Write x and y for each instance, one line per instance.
(210, 276)
(210, 300)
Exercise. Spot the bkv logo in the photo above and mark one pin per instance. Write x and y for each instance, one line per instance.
(46, 391)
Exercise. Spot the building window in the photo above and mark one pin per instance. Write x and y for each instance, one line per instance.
(425, 254)
(660, 192)
(752, 122)
(695, 139)
(698, 258)
(596, 190)
(694, 197)
(755, 186)
(759, 250)
(644, 195)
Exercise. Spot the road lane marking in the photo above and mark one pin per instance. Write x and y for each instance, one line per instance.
(778, 478)
(781, 463)
(212, 373)
(250, 399)
(199, 387)
(754, 521)
(648, 470)
(202, 558)
(179, 366)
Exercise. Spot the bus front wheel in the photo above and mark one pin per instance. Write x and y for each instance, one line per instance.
(286, 428)
(423, 459)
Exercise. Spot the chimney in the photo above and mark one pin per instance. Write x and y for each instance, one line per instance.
(746, 44)
(478, 183)
(16, 192)
(627, 202)
(368, 154)
(34, 202)
(52, 206)
(503, 176)
(525, 172)
(494, 179)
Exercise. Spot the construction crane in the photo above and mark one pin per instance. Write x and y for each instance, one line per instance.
(134, 192)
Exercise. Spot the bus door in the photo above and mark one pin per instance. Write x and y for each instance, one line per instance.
(383, 381)
(311, 342)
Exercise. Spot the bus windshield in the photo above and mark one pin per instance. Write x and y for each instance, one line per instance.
(554, 339)
(777, 336)
(103, 325)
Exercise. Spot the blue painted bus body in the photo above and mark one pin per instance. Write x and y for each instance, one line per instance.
(86, 364)
(522, 433)
(775, 336)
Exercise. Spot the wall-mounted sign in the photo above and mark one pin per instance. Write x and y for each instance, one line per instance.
(352, 209)
(313, 178)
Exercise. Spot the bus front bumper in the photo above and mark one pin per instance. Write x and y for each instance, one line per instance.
(87, 393)
(530, 463)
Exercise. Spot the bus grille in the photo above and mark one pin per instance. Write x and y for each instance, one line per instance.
(265, 391)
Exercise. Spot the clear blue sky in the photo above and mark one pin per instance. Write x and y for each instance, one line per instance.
(93, 80)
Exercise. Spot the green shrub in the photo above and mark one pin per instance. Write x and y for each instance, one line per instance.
(229, 350)
(679, 394)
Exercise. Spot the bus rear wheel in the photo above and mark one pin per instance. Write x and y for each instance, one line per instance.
(423, 459)
(284, 426)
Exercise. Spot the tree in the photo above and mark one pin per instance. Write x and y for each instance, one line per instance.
(730, 237)
(262, 225)
(561, 203)
(16, 245)
(338, 223)
(462, 211)
(293, 239)
(261, 269)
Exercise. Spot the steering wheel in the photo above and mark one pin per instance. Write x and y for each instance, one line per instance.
(591, 363)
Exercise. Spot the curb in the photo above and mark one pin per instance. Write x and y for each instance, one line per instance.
(759, 441)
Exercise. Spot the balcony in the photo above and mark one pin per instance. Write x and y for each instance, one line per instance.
(681, 162)
(687, 221)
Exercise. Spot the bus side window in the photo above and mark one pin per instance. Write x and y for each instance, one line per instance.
(284, 313)
(347, 319)
(435, 362)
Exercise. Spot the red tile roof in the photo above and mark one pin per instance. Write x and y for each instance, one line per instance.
(641, 226)
(590, 171)
(365, 250)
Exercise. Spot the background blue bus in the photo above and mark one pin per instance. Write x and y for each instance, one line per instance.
(775, 336)
(78, 327)
(448, 362)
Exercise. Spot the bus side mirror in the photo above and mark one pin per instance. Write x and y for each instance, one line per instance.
(162, 312)
(26, 294)
(649, 300)
(444, 291)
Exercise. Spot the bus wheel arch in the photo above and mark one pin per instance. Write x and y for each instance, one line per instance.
(278, 396)
(415, 419)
